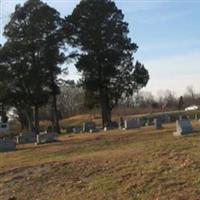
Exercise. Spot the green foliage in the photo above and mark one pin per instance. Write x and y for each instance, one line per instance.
(98, 30)
(32, 54)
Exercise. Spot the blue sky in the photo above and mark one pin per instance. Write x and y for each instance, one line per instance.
(167, 33)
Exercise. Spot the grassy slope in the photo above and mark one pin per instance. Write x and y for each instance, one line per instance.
(137, 164)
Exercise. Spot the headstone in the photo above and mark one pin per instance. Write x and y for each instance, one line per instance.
(4, 129)
(183, 127)
(24, 138)
(7, 145)
(88, 126)
(158, 123)
(43, 138)
(133, 123)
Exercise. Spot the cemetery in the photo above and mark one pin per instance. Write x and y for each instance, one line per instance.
(107, 158)
(84, 115)
(124, 148)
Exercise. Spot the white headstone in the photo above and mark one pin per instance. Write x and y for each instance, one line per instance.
(183, 127)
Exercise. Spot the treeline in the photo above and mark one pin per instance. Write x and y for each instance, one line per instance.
(163, 101)
(35, 56)
(71, 101)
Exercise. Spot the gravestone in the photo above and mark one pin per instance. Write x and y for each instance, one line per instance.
(4, 129)
(24, 138)
(7, 145)
(183, 127)
(133, 123)
(43, 138)
(158, 123)
(89, 126)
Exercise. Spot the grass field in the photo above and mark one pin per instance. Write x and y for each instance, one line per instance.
(144, 164)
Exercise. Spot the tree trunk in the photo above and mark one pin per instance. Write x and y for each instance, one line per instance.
(26, 116)
(36, 115)
(23, 120)
(55, 121)
(55, 114)
(105, 110)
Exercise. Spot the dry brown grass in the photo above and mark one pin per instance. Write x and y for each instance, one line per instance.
(73, 121)
(142, 164)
